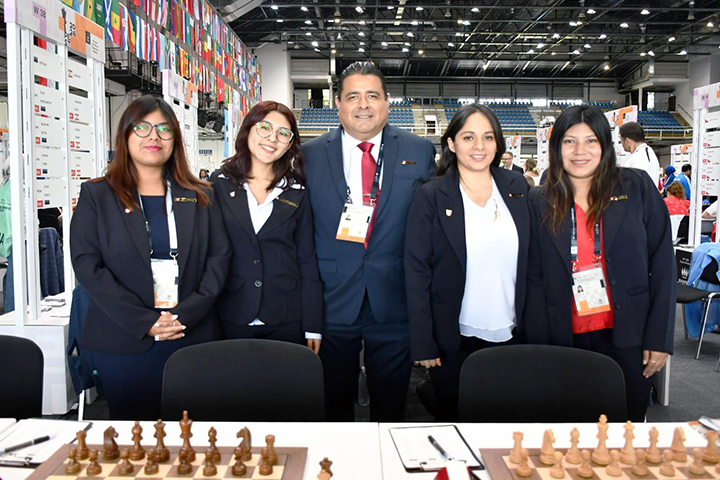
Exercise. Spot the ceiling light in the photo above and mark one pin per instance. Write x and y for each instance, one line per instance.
(407, 44)
(419, 9)
(337, 20)
(414, 22)
(606, 67)
(602, 36)
(317, 50)
(460, 21)
(450, 44)
(362, 43)
(540, 45)
(405, 50)
(671, 39)
(280, 20)
(486, 65)
(296, 47)
(458, 34)
(683, 52)
(642, 54)
(576, 52)
(552, 53)
(556, 36)
(308, 34)
(384, 44)
(710, 24)
(314, 43)
(531, 52)
(361, 34)
(410, 34)
(290, 43)
(624, 25)
(362, 22)
(421, 52)
(587, 45)
(645, 11)
(274, 7)
(579, 22)
(591, 11)
(361, 49)
(339, 36)
(304, 8)
(651, 53)
(359, 9)
(573, 24)
(466, 22)
(475, 10)
(333, 51)
(390, 7)
(308, 22)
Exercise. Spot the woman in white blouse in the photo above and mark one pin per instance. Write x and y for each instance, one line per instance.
(466, 249)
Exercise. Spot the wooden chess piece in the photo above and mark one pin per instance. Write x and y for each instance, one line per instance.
(245, 444)
(524, 469)
(717, 468)
(184, 467)
(272, 454)
(163, 454)
(325, 472)
(573, 454)
(614, 469)
(209, 469)
(73, 466)
(82, 448)
(94, 468)
(151, 467)
(601, 456)
(547, 452)
(627, 454)
(711, 454)
(678, 445)
(137, 452)
(323, 476)
(697, 467)
(667, 468)
(653, 452)
(639, 468)
(239, 468)
(266, 467)
(557, 470)
(585, 470)
(185, 427)
(124, 466)
(516, 452)
(212, 438)
(110, 448)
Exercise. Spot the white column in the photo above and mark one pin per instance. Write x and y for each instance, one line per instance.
(276, 83)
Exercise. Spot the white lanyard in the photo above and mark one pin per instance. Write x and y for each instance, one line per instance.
(172, 226)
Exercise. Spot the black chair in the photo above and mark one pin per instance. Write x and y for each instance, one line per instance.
(540, 383)
(244, 380)
(21, 383)
(683, 231)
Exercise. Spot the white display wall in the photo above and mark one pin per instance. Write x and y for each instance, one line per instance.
(512, 145)
(183, 98)
(616, 118)
(543, 138)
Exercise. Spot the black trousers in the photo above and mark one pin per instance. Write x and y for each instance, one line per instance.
(446, 378)
(387, 363)
(637, 387)
(286, 332)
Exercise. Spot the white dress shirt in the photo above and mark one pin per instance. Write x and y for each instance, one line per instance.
(644, 158)
(352, 163)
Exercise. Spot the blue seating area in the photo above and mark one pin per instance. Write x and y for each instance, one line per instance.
(604, 106)
(514, 117)
(658, 120)
(324, 118)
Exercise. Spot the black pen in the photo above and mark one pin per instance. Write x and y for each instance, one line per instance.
(29, 443)
(437, 446)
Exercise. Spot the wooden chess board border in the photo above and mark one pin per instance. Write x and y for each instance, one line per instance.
(294, 467)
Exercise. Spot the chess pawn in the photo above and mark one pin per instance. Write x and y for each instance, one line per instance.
(209, 469)
(653, 452)
(73, 466)
(667, 467)
(82, 448)
(516, 452)
(137, 452)
(639, 468)
(94, 468)
(239, 468)
(524, 469)
(585, 470)
(573, 454)
(124, 466)
(557, 471)
(151, 467)
(697, 466)
(711, 454)
(547, 452)
(184, 467)
(613, 469)
(266, 467)
(678, 445)
(272, 454)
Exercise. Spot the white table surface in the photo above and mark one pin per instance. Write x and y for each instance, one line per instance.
(354, 448)
(499, 435)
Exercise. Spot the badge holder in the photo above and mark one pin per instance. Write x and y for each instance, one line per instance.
(589, 287)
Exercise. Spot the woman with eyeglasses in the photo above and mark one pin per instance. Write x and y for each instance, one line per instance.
(149, 246)
(273, 290)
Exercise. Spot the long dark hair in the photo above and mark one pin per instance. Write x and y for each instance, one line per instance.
(121, 173)
(558, 189)
(448, 159)
(289, 166)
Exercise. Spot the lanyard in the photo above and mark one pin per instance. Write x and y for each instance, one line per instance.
(172, 226)
(376, 177)
(573, 241)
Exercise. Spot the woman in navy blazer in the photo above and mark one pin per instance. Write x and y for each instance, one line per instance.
(636, 255)
(120, 230)
(466, 247)
(273, 290)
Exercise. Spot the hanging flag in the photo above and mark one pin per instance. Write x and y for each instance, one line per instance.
(137, 3)
(132, 36)
(124, 27)
(108, 26)
(138, 37)
(115, 22)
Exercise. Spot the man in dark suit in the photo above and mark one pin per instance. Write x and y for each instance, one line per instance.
(364, 282)
(507, 161)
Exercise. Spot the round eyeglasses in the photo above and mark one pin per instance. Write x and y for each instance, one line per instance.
(164, 130)
(265, 129)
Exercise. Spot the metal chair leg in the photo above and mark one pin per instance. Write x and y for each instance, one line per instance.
(704, 323)
(682, 308)
(717, 367)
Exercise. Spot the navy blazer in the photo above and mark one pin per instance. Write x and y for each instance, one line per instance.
(347, 269)
(273, 275)
(111, 257)
(518, 168)
(639, 261)
(436, 259)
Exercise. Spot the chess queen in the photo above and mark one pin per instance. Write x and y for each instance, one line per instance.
(607, 229)
(144, 238)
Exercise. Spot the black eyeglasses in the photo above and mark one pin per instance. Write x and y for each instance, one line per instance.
(265, 129)
(164, 130)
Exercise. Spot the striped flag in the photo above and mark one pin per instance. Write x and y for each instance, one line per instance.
(124, 27)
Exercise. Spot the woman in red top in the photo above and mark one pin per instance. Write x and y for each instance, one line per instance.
(600, 270)
(676, 201)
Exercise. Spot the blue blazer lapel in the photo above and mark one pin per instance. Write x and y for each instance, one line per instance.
(452, 215)
(283, 207)
(135, 223)
(562, 239)
(390, 159)
(334, 152)
(184, 206)
(236, 198)
(614, 215)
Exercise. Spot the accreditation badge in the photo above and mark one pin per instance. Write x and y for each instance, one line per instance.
(590, 290)
(165, 282)
(354, 223)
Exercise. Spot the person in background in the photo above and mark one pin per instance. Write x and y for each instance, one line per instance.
(675, 201)
(531, 170)
(466, 247)
(148, 244)
(273, 290)
(687, 171)
(603, 228)
(204, 175)
(711, 211)
(642, 156)
(507, 161)
(672, 177)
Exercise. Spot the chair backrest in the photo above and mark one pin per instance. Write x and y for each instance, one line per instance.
(21, 383)
(540, 383)
(244, 380)
(675, 221)
(683, 230)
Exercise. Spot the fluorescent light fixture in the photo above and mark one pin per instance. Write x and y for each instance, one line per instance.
(466, 22)
(573, 24)
(361, 49)
(587, 45)
(556, 36)
(624, 25)
(671, 39)
(591, 11)
(362, 43)
(450, 44)
(410, 34)
(645, 11)
(407, 44)
(540, 45)
(317, 50)
(314, 43)
(359, 9)
(362, 22)
(361, 34)
(642, 54)
(384, 44)
(414, 22)
(475, 10)
(651, 53)
(683, 52)
(390, 7)
(274, 7)
(602, 36)
(576, 52)
(280, 20)
(304, 8)
(419, 9)
(308, 34)
(458, 34)
(405, 50)
(308, 22)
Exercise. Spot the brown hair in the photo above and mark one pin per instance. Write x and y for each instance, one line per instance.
(121, 173)
(289, 166)
(676, 189)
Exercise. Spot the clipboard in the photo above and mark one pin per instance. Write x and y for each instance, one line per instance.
(418, 455)
(63, 432)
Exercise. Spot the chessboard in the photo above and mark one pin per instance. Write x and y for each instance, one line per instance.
(500, 468)
(290, 466)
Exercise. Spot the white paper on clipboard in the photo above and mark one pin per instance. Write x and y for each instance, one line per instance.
(62, 432)
(417, 454)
